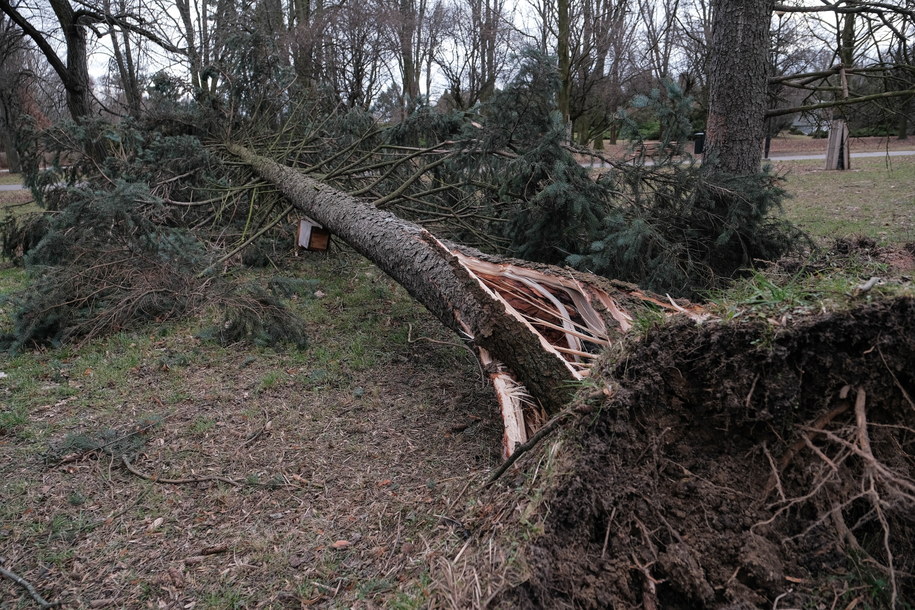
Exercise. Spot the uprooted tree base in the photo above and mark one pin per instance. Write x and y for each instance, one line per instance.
(739, 464)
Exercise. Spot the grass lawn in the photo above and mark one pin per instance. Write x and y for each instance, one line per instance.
(313, 475)
(7, 178)
(876, 198)
(17, 202)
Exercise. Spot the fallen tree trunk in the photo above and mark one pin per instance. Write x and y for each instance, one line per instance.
(544, 324)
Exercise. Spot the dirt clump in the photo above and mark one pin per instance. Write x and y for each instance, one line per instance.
(740, 465)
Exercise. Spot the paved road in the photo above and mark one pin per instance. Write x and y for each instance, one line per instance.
(11, 187)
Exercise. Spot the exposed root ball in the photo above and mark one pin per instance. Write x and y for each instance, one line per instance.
(742, 464)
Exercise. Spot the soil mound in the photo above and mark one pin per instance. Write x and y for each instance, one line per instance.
(741, 466)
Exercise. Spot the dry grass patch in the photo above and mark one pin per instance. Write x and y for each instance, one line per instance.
(17, 202)
(323, 476)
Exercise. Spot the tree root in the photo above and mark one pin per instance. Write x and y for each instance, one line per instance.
(804, 441)
(530, 444)
(850, 473)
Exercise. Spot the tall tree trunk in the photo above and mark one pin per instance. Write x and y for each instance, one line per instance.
(737, 85)
(127, 72)
(195, 63)
(9, 147)
(74, 73)
(76, 78)
(563, 50)
(9, 113)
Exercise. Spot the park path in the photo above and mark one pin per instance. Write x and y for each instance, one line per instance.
(854, 155)
(798, 157)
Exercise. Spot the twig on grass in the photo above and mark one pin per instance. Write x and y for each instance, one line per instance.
(530, 444)
(267, 425)
(156, 479)
(207, 479)
(866, 286)
(476, 359)
(19, 580)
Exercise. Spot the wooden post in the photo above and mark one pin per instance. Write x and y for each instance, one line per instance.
(837, 155)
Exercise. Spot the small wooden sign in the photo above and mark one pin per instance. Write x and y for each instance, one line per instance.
(313, 236)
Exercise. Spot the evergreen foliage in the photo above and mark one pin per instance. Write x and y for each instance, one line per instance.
(255, 317)
(117, 253)
(676, 226)
(553, 203)
(687, 232)
(105, 263)
(137, 226)
(661, 221)
(504, 177)
(19, 234)
(97, 154)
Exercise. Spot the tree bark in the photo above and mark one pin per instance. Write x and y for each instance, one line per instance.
(737, 85)
(76, 78)
(565, 62)
(9, 147)
(429, 271)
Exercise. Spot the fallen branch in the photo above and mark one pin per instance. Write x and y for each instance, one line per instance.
(156, 479)
(187, 481)
(72, 457)
(866, 286)
(19, 580)
(253, 437)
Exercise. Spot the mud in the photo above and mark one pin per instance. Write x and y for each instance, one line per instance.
(741, 466)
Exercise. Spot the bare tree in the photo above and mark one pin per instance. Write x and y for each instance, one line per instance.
(476, 56)
(738, 71)
(13, 78)
(693, 37)
(126, 48)
(659, 22)
(603, 62)
(73, 69)
(74, 25)
(416, 30)
(358, 55)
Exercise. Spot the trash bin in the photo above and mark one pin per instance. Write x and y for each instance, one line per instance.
(699, 143)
